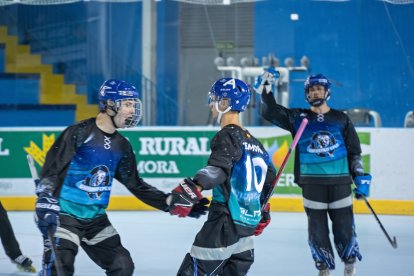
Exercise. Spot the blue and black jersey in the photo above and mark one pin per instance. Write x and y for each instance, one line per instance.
(245, 178)
(329, 150)
(80, 168)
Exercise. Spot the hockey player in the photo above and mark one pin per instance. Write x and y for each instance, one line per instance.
(10, 244)
(76, 182)
(327, 159)
(240, 173)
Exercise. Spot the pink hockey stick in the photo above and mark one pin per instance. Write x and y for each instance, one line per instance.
(292, 147)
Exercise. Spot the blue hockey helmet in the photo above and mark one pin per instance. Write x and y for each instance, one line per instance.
(235, 90)
(113, 92)
(321, 80)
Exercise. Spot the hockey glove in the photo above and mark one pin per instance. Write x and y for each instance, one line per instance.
(264, 222)
(264, 82)
(200, 208)
(183, 197)
(47, 214)
(362, 184)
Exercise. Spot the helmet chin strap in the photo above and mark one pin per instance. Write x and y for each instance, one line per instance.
(220, 113)
(318, 102)
(112, 117)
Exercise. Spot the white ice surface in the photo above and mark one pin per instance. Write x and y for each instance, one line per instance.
(158, 243)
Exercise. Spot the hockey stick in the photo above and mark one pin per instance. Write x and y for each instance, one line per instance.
(35, 176)
(392, 241)
(282, 167)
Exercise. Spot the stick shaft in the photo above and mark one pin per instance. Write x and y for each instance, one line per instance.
(58, 265)
(392, 241)
(32, 167)
(282, 167)
(35, 176)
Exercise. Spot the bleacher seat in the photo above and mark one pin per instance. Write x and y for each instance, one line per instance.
(364, 117)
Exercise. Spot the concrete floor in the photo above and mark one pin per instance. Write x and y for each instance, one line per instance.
(158, 243)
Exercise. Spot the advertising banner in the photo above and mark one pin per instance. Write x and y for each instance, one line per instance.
(167, 155)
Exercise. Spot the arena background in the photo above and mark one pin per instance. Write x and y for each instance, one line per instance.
(55, 54)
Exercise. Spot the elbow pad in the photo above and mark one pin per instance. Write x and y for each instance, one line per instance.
(209, 177)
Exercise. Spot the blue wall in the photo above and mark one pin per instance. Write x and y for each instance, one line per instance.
(167, 69)
(366, 47)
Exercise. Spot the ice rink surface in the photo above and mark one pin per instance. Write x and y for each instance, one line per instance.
(158, 243)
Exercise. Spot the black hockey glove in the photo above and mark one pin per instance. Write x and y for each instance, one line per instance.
(47, 214)
(183, 197)
(199, 209)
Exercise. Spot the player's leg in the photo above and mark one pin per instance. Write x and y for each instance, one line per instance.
(103, 245)
(239, 263)
(315, 200)
(66, 251)
(213, 245)
(10, 244)
(67, 240)
(343, 227)
(192, 266)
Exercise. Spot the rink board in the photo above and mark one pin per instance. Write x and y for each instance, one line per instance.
(285, 204)
(167, 155)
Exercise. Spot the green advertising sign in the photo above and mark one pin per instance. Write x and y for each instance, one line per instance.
(170, 153)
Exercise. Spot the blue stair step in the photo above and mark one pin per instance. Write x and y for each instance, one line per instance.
(2, 58)
(27, 115)
(19, 88)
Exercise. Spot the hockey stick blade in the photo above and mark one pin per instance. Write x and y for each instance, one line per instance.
(393, 241)
(35, 177)
(282, 167)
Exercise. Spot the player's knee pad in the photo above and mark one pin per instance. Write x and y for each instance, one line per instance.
(324, 259)
(350, 252)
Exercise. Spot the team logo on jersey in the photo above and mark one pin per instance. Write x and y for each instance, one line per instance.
(97, 182)
(323, 144)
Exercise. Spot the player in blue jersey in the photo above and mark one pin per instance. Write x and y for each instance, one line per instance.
(327, 160)
(240, 173)
(76, 182)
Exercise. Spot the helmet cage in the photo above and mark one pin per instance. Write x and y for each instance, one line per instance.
(321, 80)
(113, 93)
(136, 116)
